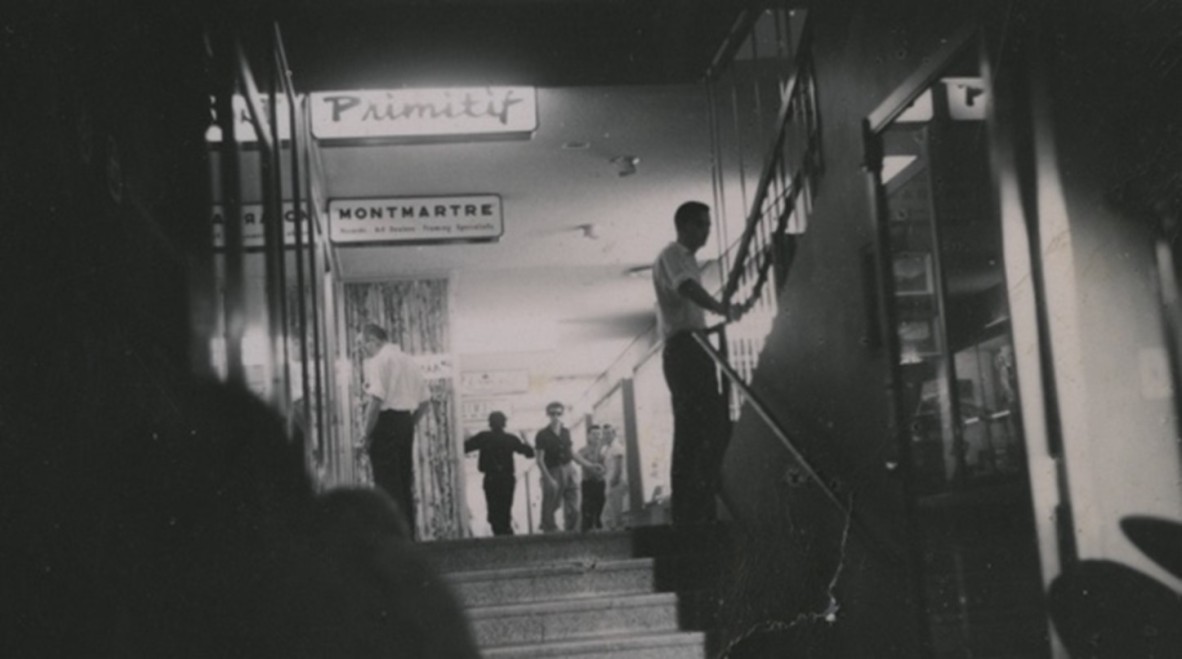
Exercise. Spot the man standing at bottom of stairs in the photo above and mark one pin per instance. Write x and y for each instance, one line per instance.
(701, 426)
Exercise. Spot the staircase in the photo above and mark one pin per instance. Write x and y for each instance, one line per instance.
(638, 593)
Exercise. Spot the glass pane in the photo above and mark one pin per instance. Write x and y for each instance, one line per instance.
(955, 354)
(922, 353)
(958, 390)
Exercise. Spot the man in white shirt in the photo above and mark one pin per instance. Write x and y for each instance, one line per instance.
(398, 397)
(701, 426)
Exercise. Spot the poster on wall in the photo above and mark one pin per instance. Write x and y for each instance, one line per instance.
(435, 366)
(459, 218)
(494, 383)
(253, 223)
(244, 131)
(474, 412)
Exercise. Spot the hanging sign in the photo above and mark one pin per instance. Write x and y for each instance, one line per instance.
(253, 222)
(475, 412)
(460, 218)
(424, 113)
(967, 98)
(435, 366)
(244, 131)
(494, 383)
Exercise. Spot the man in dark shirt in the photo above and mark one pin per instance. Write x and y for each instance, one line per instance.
(496, 463)
(560, 479)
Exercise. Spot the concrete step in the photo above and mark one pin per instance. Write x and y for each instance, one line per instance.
(705, 538)
(528, 550)
(554, 581)
(677, 645)
(573, 619)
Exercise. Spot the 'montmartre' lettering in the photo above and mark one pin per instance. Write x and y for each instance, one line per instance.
(474, 104)
(394, 212)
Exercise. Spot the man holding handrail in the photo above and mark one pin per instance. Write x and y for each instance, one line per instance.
(701, 426)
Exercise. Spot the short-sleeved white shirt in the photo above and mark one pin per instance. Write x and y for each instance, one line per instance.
(674, 266)
(612, 452)
(393, 376)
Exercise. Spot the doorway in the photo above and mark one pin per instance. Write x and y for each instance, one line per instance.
(958, 418)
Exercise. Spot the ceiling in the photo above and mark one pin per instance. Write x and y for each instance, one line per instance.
(615, 78)
(350, 44)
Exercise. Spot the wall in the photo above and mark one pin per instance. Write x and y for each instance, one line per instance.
(826, 382)
(1105, 150)
(1108, 143)
(101, 188)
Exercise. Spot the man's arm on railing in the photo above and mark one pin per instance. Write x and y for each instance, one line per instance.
(695, 293)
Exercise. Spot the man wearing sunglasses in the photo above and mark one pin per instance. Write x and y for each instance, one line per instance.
(560, 483)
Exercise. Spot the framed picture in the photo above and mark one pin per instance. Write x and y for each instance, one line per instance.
(919, 338)
(913, 274)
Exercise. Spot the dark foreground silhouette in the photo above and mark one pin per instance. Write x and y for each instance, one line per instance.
(195, 532)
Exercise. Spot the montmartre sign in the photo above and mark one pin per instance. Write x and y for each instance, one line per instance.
(460, 218)
(424, 113)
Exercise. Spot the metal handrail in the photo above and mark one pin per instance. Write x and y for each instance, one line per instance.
(761, 409)
(800, 57)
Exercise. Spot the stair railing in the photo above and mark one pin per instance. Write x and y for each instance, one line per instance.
(761, 409)
(779, 211)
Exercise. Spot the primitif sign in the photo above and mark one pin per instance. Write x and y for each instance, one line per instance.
(424, 113)
(416, 219)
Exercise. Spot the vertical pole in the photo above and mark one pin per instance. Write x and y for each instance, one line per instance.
(234, 299)
(276, 250)
(529, 502)
(872, 164)
(295, 146)
(632, 447)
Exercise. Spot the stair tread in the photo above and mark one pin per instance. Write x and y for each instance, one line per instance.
(595, 596)
(537, 538)
(572, 566)
(606, 642)
(529, 551)
(567, 604)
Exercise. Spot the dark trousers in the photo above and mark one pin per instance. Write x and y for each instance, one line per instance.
(701, 428)
(498, 494)
(392, 457)
(594, 496)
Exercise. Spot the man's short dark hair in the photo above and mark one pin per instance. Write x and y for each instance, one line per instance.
(689, 212)
(555, 407)
(375, 331)
(497, 420)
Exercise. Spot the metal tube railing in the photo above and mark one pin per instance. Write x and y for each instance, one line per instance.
(771, 171)
(765, 414)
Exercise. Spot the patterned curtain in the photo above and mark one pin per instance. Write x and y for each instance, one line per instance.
(416, 314)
